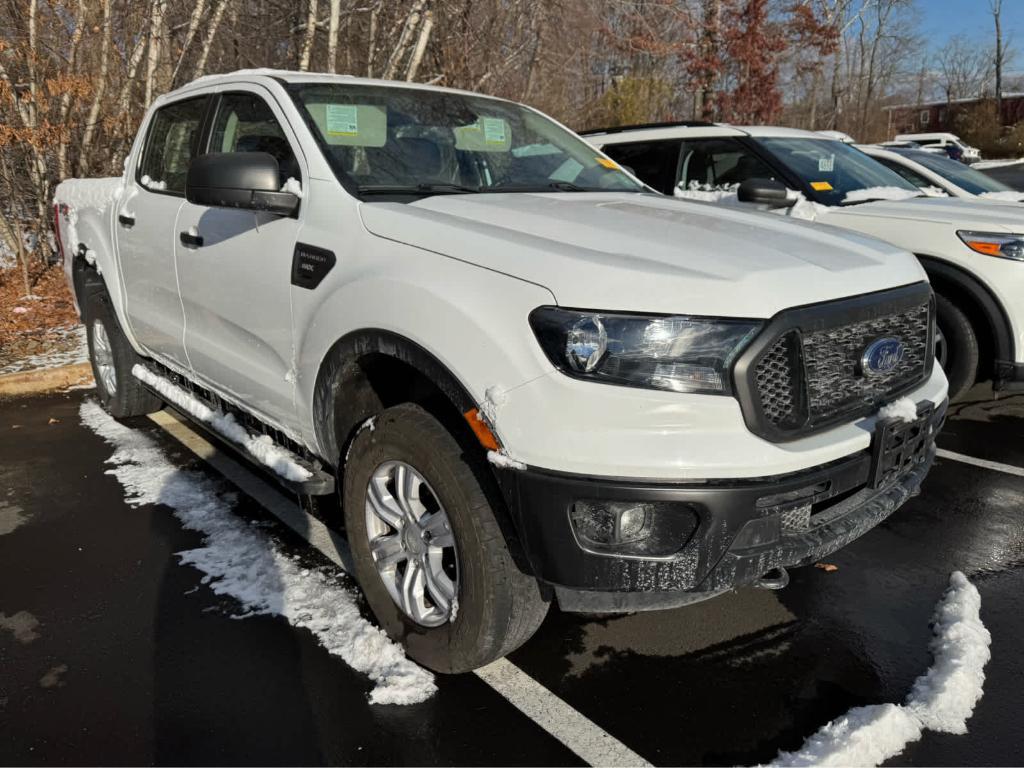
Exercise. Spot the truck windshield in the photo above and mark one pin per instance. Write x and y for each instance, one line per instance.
(963, 176)
(832, 169)
(388, 140)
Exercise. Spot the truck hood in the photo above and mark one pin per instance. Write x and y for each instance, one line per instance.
(644, 253)
(963, 214)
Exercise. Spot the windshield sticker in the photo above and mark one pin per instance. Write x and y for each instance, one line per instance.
(611, 165)
(821, 186)
(494, 130)
(342, 120)
(827, 164)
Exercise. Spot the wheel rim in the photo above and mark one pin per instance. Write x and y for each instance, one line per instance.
(412, 543)
(103, 356)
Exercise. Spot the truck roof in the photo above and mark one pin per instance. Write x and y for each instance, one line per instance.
(293, 76)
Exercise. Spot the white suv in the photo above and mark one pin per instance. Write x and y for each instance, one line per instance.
(973, 253)
(525, 376)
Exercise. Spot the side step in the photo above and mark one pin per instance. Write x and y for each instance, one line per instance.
(283, 460)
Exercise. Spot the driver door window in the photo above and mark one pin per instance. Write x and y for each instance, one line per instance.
(245, 123)
(718, 163)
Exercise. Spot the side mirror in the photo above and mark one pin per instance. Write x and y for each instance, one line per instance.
(249, 180)
(768, 192)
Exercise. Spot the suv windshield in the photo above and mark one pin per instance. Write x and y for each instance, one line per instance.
(832, 169)
(963, 176)
(392, 140)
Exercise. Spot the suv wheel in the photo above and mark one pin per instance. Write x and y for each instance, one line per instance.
(120, 393)
(428, 550)
(956, 348)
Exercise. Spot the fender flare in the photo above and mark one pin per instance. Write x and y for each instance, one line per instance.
(335, 417)
(999, 323)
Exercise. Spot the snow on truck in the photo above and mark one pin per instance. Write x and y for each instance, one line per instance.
(525, 377)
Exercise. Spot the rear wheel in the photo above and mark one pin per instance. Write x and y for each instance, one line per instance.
(120, 393)
(429, 552)
(956, 348)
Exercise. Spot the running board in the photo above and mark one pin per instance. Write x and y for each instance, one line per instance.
(300, 473)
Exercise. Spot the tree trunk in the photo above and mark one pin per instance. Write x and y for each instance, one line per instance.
(153, 55)
(307, 39)
(997, 10)
(193, 25)
(421, 46)
(332, 36)
(97, 96)
(211, 32)
(404, 39)
(65, 99)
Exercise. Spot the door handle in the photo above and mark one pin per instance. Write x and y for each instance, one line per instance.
(126, 221)
(192, 241)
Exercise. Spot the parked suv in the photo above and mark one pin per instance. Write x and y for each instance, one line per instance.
(526, 377)
(926, 170)
(973, 254)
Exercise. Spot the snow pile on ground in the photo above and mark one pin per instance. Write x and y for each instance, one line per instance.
(241, 561)
(1007, 196)
(880, 193)
(71, 348)
(282, 461)
(996, 163)
(942, 699)
(903, 409)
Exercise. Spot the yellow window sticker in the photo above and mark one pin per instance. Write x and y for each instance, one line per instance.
(609, 164)
(821, 186)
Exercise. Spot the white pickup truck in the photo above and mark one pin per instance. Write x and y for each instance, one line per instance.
(522, 375)
(973, 252)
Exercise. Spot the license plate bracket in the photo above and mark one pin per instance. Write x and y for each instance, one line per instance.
(898, 445)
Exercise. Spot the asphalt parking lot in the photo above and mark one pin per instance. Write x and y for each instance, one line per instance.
(114, 652)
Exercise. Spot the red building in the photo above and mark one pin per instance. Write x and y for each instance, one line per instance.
(938, 116)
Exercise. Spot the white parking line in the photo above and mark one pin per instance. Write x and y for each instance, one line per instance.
(985, 463)
(569, 726)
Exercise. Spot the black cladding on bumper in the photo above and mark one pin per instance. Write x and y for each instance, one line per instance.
(815, 512)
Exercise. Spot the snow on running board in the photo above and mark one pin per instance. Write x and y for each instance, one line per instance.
(282, 461)
(942, 699)
(241, 561)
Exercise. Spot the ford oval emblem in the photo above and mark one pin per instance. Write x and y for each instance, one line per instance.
(882, 356)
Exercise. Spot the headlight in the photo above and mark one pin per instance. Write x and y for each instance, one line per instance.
(677, 353)
(994, 244)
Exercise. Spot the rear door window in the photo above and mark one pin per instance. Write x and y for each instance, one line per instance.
(653, 162)
(171, 145)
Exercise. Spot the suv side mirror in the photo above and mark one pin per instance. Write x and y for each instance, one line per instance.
(768, 192)
(249, 180)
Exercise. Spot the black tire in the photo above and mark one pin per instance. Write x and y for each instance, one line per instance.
(958, 352)
(499, 606)
(127, 397)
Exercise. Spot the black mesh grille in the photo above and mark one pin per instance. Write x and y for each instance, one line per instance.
(806, 378)
(776, 383)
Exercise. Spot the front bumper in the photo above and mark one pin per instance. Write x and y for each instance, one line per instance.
(714, 557)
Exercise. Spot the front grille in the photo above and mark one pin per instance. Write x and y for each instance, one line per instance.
(808, 374)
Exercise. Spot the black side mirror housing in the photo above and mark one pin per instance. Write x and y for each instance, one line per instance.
(769, 192)
(248, 180)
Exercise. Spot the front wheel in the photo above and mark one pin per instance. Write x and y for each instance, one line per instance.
(956, 348)
(428, 550)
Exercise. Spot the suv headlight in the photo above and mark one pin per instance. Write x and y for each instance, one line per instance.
(994, 244)
(675, 352)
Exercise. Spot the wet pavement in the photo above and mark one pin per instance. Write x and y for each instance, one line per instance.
(111, 652)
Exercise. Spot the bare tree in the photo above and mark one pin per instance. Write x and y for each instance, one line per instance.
(965, 70)
(996, 7)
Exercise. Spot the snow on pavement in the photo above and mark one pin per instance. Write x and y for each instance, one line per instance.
(243, 562)
(70, 349)
(942, 699)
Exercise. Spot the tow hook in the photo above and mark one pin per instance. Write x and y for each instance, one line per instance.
(776, 578)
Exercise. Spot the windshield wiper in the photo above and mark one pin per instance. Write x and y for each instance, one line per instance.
(415, 189)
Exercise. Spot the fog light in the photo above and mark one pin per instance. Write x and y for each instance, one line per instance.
(651, 529)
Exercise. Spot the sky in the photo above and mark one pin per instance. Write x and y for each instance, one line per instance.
(941, 19)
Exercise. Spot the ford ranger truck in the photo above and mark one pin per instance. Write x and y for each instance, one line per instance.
(973, 252)
(510, 373)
